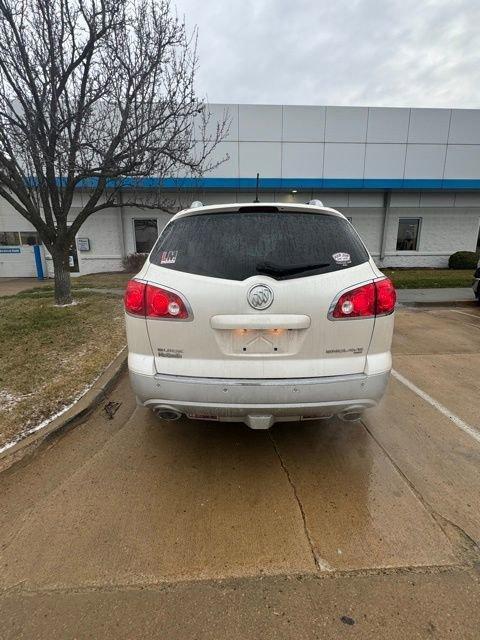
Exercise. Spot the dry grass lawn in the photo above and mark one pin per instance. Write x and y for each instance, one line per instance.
(430, 278)
(50, 354)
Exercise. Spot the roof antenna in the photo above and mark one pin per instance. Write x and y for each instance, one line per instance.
(256, 189)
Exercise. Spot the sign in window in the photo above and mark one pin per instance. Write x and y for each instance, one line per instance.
(408, 233)
(146, 234)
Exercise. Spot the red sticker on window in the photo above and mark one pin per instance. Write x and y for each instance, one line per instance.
(168, 257)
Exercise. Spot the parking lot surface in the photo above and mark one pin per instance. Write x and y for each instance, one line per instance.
(134, 528)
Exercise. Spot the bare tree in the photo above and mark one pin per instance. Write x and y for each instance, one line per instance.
(95, 94)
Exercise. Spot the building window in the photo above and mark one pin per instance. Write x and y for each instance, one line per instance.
(146, 234)
(29, 237)
(408, 233)
(9, 239)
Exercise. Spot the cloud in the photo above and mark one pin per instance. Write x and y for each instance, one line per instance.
(423, 53)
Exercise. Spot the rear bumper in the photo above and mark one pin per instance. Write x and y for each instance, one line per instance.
(280, 399)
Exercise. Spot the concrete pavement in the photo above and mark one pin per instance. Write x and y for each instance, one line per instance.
(12, 286)
(129, 527)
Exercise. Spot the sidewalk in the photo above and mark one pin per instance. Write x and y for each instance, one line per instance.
(435, 296)
(12, 286)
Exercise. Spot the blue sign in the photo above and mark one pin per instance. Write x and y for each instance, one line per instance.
(9, 249)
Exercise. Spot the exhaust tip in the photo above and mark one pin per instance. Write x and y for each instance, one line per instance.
(351, 415)
(167, 413)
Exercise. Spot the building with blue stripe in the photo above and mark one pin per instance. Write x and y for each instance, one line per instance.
(409, 180)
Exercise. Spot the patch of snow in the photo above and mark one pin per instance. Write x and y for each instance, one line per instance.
(7, 399)
(64, 409)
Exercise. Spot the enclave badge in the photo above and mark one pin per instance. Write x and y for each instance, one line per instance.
(260, 296)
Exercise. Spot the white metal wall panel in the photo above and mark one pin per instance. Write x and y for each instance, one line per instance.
(429, 125)
(463, 162)
(380, 158)
(465, 127)
(346, 124)
(425, 161)
(260, 123)
(344, 160)
(262, 157)
(303, 124)
(229, 167)
(302, 159)
(385, 160)
(218, 113)
(387, 124)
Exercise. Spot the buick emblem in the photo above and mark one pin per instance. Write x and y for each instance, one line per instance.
(260, 296)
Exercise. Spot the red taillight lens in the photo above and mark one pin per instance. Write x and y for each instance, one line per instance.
(149, 301)
(386, 297)
(358, 303)
(161, 303)
(369, 300)
(134, 298)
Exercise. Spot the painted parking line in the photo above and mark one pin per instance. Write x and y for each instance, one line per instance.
(469, 324)
(458, 422)
(465, 313)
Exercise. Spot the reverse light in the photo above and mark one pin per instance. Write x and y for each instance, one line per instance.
(149, 301)
(368, 301)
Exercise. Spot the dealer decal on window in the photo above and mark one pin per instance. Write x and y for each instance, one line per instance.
(168, 257)
(342, 258)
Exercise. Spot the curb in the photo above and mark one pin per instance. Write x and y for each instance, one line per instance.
(74, 416)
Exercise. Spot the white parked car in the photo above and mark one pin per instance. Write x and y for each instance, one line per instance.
(259, 313)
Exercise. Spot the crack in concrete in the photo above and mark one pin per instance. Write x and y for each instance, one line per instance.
(20, 588)
(469, 547)
(320, 563)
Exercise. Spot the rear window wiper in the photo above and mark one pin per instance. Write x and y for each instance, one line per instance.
(288, 269)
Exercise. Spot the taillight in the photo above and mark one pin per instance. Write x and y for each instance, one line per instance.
(386, 297)
(358, 303)
(134, 298)
(370, 300)
(161, 303)
(150, 301)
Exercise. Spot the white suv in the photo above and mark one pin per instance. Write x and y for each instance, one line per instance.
(259, 313)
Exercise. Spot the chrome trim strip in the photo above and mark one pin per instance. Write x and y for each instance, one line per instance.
(265, 382)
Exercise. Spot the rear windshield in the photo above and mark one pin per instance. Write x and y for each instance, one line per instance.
(238, 245)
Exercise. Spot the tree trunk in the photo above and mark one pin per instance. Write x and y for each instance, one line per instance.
(63, 293)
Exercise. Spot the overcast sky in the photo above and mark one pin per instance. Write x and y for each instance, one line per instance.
(423, 53)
